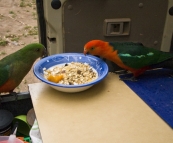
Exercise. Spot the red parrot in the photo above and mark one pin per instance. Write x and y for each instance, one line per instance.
(130, 56)
(14, 67)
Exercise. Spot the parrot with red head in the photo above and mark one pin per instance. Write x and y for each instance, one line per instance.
(130, 56)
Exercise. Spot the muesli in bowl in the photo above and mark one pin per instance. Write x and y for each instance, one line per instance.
(71, 72)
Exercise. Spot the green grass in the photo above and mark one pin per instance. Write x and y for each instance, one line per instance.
(22, 4)
(27, 27)
(11, 12)
(13, 37)
(25, 81)
(3, 42)
(3, 53)
(31, 30)
(29, 4)
(34, 15)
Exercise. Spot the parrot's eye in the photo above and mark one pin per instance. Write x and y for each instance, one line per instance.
(92, 48)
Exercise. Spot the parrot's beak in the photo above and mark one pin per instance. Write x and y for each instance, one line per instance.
(85, 51)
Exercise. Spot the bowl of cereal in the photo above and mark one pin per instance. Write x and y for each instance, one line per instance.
(71, 72)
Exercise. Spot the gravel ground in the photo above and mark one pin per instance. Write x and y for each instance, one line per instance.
(18, 27)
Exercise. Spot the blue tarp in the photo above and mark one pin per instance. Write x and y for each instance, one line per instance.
(155, 88)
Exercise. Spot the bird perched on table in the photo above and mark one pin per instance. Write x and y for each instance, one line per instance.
(14, 67)
(134, 57)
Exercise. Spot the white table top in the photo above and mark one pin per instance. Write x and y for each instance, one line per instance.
(109, 112)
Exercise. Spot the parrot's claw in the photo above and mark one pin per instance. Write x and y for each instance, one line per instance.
(120, 72)
(129, 79)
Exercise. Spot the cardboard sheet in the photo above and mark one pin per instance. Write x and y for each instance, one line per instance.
(108, 112)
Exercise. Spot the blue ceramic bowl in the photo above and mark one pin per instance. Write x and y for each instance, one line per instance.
(98, 64)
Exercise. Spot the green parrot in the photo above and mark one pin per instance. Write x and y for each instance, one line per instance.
(14, 67)
(130, 56)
